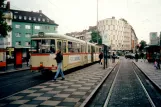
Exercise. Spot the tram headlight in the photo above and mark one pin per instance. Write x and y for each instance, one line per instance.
(41, 64)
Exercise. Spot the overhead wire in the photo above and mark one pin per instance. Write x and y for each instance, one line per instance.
(53, 11)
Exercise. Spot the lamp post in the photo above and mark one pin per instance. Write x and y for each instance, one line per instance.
(97, 21)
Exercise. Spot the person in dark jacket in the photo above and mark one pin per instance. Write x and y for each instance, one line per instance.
(28, 58)
(100, 57)
(59, 59)
(136, 57)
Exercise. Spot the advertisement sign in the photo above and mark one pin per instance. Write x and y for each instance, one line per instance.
(74, 58)
(105, 39)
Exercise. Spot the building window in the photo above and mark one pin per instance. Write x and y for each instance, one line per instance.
(29, 18)
(25, 17)
(27, 43)
(15, 16)
(20, 17)
(27, 27)
(17, 26)
(46, 27)
(18, 34)
(28, 35)
(18, 43)
(47, 20)
(37, 27)
(34, 18)
(43, 20)
(39, 19)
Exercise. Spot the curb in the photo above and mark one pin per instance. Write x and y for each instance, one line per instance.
(97, 87)
(8, 72)
(154, 83)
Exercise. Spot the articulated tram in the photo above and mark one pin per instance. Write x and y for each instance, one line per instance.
(75, 52)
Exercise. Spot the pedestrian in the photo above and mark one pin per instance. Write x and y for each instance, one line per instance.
(100, 57)
(142, 56)
(158, 60)
(59, 59)
(155, 64)
(113, 57)
(136, 57)
(28, 58)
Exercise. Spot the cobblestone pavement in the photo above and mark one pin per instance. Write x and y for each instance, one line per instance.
(149, 70)
(71, 92)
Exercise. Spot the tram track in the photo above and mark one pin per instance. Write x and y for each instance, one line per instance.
(138, 91)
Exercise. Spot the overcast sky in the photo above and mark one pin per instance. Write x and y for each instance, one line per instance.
(77, 15)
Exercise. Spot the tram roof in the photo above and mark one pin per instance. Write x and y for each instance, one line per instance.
(61, 36)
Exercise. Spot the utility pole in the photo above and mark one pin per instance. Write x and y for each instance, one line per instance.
(97, 21)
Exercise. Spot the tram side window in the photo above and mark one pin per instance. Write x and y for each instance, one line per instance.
(64, 47)
(52, 46)
(82, 48)
(74, 47)
(59, 45)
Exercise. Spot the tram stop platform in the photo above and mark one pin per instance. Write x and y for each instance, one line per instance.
(150, 72)
(77, 88)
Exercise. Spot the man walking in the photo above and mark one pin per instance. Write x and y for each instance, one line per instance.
(59, 59)
(100, 57)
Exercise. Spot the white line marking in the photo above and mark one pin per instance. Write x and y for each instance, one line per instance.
(150, 100)
(110, 92)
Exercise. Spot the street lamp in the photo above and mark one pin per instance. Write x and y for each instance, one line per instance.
(97, 21)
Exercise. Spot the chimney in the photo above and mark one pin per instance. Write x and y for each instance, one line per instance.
(113, 17)
(40, 11)
(8, 5)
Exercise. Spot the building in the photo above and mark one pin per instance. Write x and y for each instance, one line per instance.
(118, 32)
(83, 35)
(24, 24)
(154, 39)
(134, 40)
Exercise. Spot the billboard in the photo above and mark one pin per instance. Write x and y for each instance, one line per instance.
(105, 39)
(154, 38)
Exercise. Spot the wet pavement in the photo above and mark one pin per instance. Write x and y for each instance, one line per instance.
(149, 70)
(73, 91)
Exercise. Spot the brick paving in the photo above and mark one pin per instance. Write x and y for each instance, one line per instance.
(71, 92)
(149, 70)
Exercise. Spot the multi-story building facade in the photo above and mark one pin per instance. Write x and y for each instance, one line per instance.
(134, 40)
(83, 35)
(118, 33)
(25, 24)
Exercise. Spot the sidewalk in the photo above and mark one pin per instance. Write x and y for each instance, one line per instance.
(11, 68)
(149, 70)
(74, 91)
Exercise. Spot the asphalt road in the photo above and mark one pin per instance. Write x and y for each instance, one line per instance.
(18, 81)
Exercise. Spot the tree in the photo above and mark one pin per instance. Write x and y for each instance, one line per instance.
(94, 36)
(4, 28)
(142, 45)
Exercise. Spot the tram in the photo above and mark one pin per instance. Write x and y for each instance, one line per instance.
(151, 52)
(75, 52)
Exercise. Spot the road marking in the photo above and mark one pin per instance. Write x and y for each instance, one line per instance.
(110, 92)
(149, 98)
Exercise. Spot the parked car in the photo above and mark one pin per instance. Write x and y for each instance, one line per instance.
(117, 57)
(131, 56)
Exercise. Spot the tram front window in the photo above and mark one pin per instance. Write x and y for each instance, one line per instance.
(43, 46)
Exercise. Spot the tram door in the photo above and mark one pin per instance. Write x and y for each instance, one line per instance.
(59, 45)
(92, 53)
